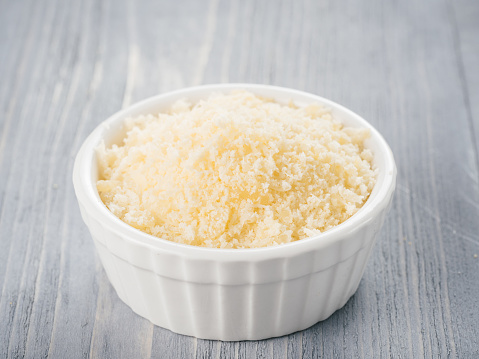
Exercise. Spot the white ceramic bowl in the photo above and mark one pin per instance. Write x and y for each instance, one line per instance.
(232, 294)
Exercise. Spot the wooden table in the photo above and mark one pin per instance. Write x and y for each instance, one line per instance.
(411, 68)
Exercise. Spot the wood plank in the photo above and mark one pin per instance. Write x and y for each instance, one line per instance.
(464, 15)
(166, 344)
(23, 194)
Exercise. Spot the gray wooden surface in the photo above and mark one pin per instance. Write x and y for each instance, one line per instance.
(409, 67)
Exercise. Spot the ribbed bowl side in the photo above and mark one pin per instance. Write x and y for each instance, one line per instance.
(217, 309)
(231, 312)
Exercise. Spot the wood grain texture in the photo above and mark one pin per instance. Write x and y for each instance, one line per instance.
(411, 68)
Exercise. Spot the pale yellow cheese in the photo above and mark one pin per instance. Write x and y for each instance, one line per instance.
(236, 171)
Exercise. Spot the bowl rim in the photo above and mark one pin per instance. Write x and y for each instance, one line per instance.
(88, 197)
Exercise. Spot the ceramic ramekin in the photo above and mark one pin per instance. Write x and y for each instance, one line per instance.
(232, 294)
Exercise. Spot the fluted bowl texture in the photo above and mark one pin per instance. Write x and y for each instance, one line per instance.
(232, 294)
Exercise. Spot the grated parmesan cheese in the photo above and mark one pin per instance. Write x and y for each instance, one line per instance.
(236, 171)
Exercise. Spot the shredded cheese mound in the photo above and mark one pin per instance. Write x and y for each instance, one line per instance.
(236, 171)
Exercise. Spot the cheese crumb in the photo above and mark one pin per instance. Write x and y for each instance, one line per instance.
(236, 171)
